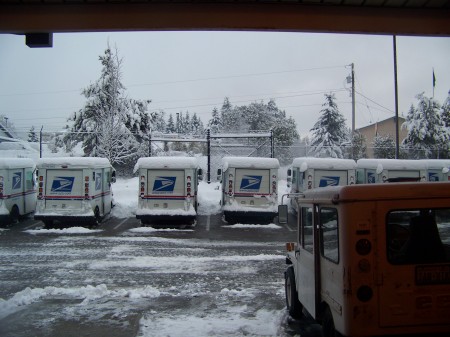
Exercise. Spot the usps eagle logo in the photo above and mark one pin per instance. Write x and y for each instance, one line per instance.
(250, 183)
(62, 184)
(17, 180)
(164, 184)
(433, 177)
(328, 181)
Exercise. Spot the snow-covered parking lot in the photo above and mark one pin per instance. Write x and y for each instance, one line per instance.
(122, 279)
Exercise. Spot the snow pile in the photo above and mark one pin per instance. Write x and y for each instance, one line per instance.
(125, 195)
(182, 264)
(87, 294)
(253, 226)
(70, 230)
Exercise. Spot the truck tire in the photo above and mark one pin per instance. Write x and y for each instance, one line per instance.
(48, 224)
(14, 214)
(293, 305)
(328, 329)
(97, 217)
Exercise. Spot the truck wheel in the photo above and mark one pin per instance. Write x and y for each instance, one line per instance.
(328, 329)
(14, 214)
(292, 303)
(48, 224)
(98, 219)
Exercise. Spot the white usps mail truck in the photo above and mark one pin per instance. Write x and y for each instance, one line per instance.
(371, 171)
(249, 188)
(307, 173)
(168, 189)
(17, 188)
(438, 169)
(74, 189)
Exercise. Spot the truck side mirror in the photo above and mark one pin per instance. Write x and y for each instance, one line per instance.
(283, 214)
(113, 176)
(200, 174)
(219, 174)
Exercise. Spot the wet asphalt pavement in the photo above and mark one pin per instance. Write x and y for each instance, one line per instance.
(121, 279)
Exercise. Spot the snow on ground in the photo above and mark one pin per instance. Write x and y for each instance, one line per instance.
(138, 251)
(70, 230)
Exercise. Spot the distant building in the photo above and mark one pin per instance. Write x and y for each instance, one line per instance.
(382, 128)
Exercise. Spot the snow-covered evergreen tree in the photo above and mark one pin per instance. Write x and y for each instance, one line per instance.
(445, 113)
(32, 136)
(329, 132)
(215, 123)
(357, 146)
(160, 124)
(171, 128)
(110, 125)
(197, 127)
(229, 117)
(384, 147)
(427, 136)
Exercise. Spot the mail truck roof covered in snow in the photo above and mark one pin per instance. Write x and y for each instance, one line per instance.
(167, 190)
(390, 170)
(166, 162)
(74, 189)
(17, 188)
(249, 188)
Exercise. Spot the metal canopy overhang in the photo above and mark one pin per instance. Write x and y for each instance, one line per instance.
(399, 17)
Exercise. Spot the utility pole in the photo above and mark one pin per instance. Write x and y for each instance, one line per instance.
(351, 79)
(397, 149)
(353, 99)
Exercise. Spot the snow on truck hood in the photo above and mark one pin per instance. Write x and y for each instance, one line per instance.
(166, 162)
(73, 162)
(250, 162)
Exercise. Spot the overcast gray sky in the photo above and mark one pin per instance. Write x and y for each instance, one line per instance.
(195, 71)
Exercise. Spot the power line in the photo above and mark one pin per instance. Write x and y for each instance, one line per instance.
(181, 81)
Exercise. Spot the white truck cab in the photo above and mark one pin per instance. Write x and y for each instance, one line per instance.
(74, 189)
(372, 259)
(249, 188)
(168, 188)
(17, 189)
(372, 171)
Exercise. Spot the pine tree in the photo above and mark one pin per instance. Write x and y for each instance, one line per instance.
(445, 113)
(32, 136)
(384, 147)
(427, 136)
(329, 132)
(215, 123)
(229, 117)
(110, 125)
(357, 148)
(170, 125)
